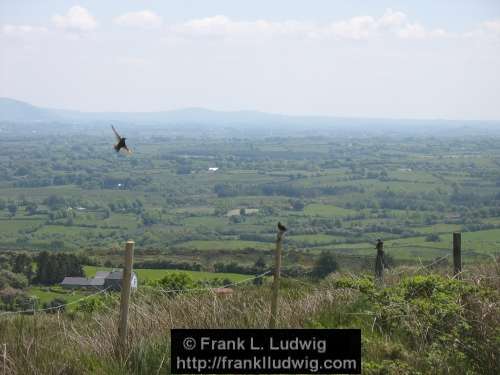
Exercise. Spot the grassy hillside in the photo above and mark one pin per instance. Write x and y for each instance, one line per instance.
(419, 323)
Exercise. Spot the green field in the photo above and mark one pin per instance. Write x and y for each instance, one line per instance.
(226, 245)
(47, 294)
(157, 274)
(327, 210)
(315, 239)
(333, 193)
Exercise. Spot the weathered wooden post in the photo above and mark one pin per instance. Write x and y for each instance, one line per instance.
(4, 359)
(277, 274)
(457, 254)
(125, 296)
(379, 263)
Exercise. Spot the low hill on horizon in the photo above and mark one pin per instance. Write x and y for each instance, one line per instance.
(18, 111)
(12, 110)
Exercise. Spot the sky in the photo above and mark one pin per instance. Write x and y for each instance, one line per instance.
(437, 59)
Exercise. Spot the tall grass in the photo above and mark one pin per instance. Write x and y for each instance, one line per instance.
(84, 343)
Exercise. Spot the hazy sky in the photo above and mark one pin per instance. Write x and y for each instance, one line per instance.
(411, 59)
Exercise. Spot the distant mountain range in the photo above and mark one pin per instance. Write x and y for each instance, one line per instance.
(17, 111)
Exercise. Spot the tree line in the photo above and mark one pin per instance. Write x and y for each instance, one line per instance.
(53, 268)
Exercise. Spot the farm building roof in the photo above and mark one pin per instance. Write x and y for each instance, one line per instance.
(76, 281)
(99, 280)
(102, 274)
(115, 275)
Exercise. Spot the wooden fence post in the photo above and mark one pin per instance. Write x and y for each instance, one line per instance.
(457, 253)
(125, 296)
(4, 359)
(277, 274)
(379, 263)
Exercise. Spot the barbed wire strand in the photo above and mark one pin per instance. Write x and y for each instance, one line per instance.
(54, 307)
(392, 274)
(211, 288)
(326, 288)
(423, 266)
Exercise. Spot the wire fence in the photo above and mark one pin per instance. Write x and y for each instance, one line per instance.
(214, 288)
(164, 291)
(326, 288)
(419, 269)
(210, 288)
(58, 307)
(422, 267)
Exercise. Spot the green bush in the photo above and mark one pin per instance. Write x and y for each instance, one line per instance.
(14, 280)
(436, 318)
(57, 304)
(175, 282)
(325, 265)
(97, 303)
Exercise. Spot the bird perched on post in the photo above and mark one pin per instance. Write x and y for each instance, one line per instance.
(121, 142)
(281, 227)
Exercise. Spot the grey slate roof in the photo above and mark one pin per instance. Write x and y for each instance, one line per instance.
(102, 274)
(99, 279)
(76, 281)
(116, 275)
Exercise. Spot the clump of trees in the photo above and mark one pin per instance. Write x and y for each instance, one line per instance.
(233, 267)
(13, 280)
(15, 275)
(167, 265)
(53, 268)
(228, 189)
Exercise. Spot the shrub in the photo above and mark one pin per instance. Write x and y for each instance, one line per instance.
(325, 265)
(57, 304)
(441, 319)
(433, 237)
(97, 303)
(15, 280)
(176, 282)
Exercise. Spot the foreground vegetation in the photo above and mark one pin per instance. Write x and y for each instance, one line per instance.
(419, 323)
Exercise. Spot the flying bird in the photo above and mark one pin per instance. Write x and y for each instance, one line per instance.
(121, 142)
(281, 227)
